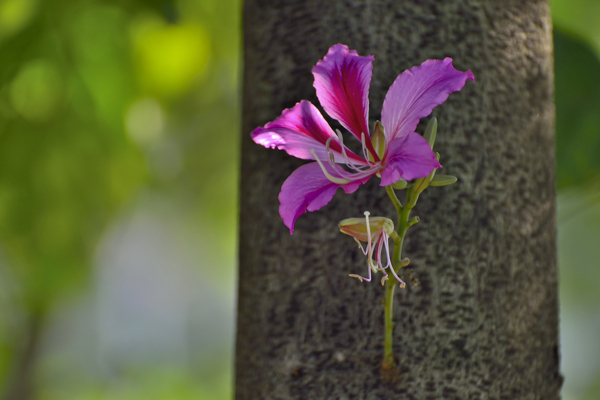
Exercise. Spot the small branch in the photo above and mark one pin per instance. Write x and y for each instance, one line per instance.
(413, 221)
(392, 194)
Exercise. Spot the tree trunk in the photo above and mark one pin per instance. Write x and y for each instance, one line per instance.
(483, 324)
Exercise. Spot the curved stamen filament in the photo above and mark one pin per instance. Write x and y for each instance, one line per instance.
(339, 181)
(362, 278)
(343, 176)
(369, 238)
(365, 251)
(365, 149)
(369, 244)
(384, 278)
(344, 154)
(329, 152)
(379, 248)
(389, 264)
(376, 242)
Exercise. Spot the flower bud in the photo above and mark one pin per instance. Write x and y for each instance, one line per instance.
(357, 227)
(378, 140)
(442, 180)
(401, 184)
(431, 131)
(375, 232)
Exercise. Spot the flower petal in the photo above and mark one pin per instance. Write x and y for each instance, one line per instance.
(408, 157)
(416, 92)
(342, 80)
(299, 130)
(307, 188)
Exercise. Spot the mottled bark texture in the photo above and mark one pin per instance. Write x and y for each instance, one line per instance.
(483, 323)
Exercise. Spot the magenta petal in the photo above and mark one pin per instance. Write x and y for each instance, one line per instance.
(408, 157)
(307, 188)
(416, 92)
(342, 82)
(299, 130)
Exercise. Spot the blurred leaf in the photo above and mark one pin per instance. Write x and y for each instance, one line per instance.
(58, 184)
(36, 92)
(577, 77)
(15, 15)
(579, 17)
(100, 100)
(168, 57)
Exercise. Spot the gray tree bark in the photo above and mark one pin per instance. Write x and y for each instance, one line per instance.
(484, 322)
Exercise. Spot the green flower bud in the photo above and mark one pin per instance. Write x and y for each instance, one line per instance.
(378, 140)
(442, 180)
(357, 227)
(431, 131)
(401, 184)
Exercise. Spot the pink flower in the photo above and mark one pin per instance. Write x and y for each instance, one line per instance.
(394, 151)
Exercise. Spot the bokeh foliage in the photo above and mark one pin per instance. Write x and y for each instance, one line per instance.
(577, 69)
(66, 164)
(100, 102)
(105, 101)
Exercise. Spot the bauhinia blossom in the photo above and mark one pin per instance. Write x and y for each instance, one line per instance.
(376, 232)
(394, 151)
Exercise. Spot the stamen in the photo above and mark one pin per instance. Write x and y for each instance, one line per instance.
(329, 152)
(360, 246)
(327, 143)
(365, 150)
(361, 278)
(344, 175)
(333, 179)
(387, 250)
(372, 264)
(344, 154)
(380, 243)
(365, 251)
(369, 245)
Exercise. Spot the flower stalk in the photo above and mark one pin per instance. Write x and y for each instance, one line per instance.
(404, 223)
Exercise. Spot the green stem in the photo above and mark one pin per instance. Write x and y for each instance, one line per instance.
(394, 198)
(388, 356)
(403, 224)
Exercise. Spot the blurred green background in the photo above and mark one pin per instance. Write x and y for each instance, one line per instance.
(119, 131)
